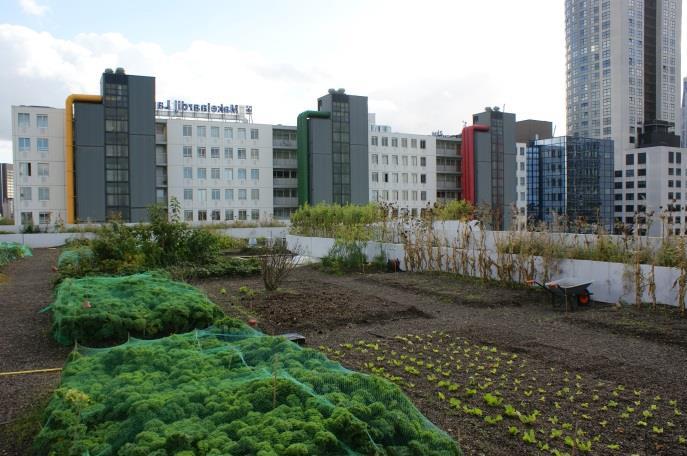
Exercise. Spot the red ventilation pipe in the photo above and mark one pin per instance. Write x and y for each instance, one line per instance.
(467, 152)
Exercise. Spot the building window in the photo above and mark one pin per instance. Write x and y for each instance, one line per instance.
(641, 158)
(255, 174)
(242, 154)
(24, 119)
(44, 218)
(375, 195)
(414, 195)
(215, 194)
(228, 214)
(404, 160)
(214, 173)
(254, 133)
(42, 144)
(216, 215)
(200, 131)
(641, 172)
(242, 133)
(385, 159)
(394, 178)
(423, 196)
(228, 174)
(202, 173)
(43, 194)
(629, 159)
(375, 177)
(522, 166)
(404, 195)
(25, 169)
(423, 144)
(188, 172)
(202, 152)
(24, 144)
(214, 152)
(394, 160)
(188, 194)
(228, 153)
(202, 194)
(25, 193)
(522, 151)
(386, 177)
(42, 122)
(214, 132)
(423, 161)
(255, 214)
(202, 215)
(385, 141)
(27, 218)
(188, 152)
(671, 157)
(414, 160)
(242, 215)
(394, 142)
(404, 178)
(413, 143)
(404, 143)
(375, 159)
(242, 194)
(187, 130)
(228, 133)
(242, 174)
(43, 169)
(374, 140)
(423, 179)
(255, 194)
(229, 195)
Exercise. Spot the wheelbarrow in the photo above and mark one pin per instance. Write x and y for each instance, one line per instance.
(575, 292)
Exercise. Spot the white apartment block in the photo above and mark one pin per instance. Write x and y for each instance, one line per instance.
(219, 171)
(39, 182)
(652, 181)
(402, 169)
(521, 178)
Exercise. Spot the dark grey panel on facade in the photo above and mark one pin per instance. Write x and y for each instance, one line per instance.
(89, 166)
(89, 161)
(141, 175)
(89, 124)
(141, 105)
(530, 130)
(360, 182)
(321, 185)
(509, 168)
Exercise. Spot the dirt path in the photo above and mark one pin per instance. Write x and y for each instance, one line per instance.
(26, 342)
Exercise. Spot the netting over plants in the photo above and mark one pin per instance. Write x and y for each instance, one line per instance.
(106, 310)
(232, 392)
(75, 258)
(10, 251)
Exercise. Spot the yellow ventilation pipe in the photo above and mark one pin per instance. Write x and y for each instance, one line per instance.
(69, 146)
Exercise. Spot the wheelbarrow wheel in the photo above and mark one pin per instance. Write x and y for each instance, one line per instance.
(583, 298)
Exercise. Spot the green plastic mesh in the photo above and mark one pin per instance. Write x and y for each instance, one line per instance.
(75, 258)
(10, 251)
(107, 310)
(228, 392)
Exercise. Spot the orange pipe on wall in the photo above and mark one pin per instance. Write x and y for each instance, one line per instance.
(69, 147)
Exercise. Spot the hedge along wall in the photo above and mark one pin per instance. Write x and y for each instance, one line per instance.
(612, 281)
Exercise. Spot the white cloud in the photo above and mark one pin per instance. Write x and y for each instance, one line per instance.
(32, 8)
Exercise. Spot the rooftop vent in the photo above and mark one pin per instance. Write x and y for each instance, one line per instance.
(120, 70)
(108, 71)
(341, 91)
(331, 91)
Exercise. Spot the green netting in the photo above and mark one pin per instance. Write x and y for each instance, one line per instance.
(106, 310)
(75, 258)
(238, 393)
(10, 251)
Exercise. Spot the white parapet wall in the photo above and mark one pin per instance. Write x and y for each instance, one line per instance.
(44, 240)
(611, 282)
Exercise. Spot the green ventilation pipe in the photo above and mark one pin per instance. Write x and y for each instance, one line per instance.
(303, 138)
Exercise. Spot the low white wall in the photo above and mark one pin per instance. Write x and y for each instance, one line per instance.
(247, 233)
(43, 240)
(611, 282)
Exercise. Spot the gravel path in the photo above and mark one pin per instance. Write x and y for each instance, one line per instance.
(25, 340)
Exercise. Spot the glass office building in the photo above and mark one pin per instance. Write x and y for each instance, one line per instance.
(571, 177)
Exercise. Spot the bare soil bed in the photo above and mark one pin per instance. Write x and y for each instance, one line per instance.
(607, 379)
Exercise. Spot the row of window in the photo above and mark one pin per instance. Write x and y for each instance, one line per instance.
(24, 144)
(27, 170)
(24, 120)
(26, 193)
(216, 194)
(43, 218)
(216, 215)
(395, 176)
(201, 132)
(374, 159)
(201, 152)
(374, 141)
(202, 173)
(383, 195)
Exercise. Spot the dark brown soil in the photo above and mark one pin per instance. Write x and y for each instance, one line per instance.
(640, 350)
(26, 344)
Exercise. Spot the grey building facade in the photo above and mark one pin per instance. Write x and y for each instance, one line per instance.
(494, 165)
(448, 168)
(530, 129)
(333, 162)
(114, 150)
(571, 177)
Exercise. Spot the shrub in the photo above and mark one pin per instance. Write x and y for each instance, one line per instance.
(98, 310)
(10, 251)
(344, 256)
(240, 393)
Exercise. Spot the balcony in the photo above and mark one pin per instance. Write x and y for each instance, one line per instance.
(285, 182)
(447, 169)
(160, 139)
(285, 163)
(447, 153)
(285, 202)
(447, 185)
(284, 143)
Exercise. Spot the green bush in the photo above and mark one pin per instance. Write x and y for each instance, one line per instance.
(238, 393)
(101, 310)
(333, 220)
(10, 251)
(344, 256)
(222, 266)
(454, 210)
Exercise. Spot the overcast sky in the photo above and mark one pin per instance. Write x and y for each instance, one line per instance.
(425, 66)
